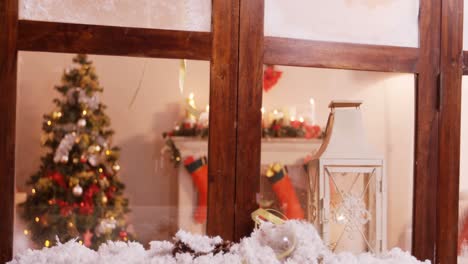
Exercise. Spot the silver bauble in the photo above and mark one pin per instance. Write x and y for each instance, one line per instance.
(81, 122)
(77, 190)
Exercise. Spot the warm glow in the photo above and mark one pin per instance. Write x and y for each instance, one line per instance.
(262, 110)
(275, 112)
(47, 243)
(191, 96)
(340, 218)
(84, 112)
(36, 219)
(97, 148)
(207, 108)
(293, 118)
(108, 152)
(312, 101)
(26, 232)
(33, 191)
(301, 119)
(100, 170)
(49, 122)
(81, 242)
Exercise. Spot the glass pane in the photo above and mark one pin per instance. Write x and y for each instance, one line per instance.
(337, 151)
(385, 22)
(463, 200)
(78, 146)
(192, 15)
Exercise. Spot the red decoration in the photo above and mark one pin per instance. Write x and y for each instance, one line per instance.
(86, 208)
(90, 192)
(87, 236)
(65, 208)
(270, 77)
(313, 131)
(198, 169)
(58, 178)
(296, 124)
(123, 234)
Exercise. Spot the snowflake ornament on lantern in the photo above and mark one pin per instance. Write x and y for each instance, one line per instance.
(351, 212)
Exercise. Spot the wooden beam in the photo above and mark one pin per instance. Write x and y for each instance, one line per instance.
(116, 41)
(426, 132)
(223, 110)
(450, 125)
(322, 54)
(8, 35)
(249, 119)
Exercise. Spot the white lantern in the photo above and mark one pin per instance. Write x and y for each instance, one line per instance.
(347, 197)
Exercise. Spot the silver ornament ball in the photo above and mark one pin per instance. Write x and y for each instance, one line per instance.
(77, 190)
(82, 122)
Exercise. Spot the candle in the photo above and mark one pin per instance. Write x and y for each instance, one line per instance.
(312, 113)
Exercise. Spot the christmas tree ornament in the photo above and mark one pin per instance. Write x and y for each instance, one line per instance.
(104, 199)
(56, 115)
(83, 158)
(284, 190)
(93, 160)
(198, 169)
(77, 190)
(116, 167)
(81, 122)
(76, 160)
(63, 150)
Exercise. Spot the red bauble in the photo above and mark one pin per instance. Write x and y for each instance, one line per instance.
(296, 124)
(90, 192)
(313, 131)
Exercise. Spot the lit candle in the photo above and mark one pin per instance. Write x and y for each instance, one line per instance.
(312, 113)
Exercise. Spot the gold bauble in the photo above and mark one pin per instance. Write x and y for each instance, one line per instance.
(104, 199)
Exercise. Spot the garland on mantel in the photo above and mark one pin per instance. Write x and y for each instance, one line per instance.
(277, 129)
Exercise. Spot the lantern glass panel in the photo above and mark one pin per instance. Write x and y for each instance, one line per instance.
(352, 204)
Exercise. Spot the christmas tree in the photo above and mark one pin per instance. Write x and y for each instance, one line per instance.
(76, 192)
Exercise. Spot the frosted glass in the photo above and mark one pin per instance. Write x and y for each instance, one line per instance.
(384, 22)
(193, 15)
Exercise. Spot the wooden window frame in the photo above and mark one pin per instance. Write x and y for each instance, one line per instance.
(237, 51)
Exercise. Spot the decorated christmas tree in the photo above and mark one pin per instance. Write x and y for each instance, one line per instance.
(76, 192)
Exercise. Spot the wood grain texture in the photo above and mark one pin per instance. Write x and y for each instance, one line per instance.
(426, 132)
(322, 54)
(8, 31)
(223, 109)
(249, 115)
(451, 65)
(110, 40)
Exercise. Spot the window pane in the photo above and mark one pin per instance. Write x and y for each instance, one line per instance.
(352, 178)
(76, 189)
(192, 15)
(385, 22)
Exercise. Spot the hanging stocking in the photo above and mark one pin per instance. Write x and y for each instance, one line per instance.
(285, 192)
(199, 171)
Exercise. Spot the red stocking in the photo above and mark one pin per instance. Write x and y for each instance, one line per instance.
(285, 192)
(199, 171)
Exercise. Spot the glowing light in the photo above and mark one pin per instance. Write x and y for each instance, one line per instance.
(262, 110)
(341, 218)
(207, 108)
(293, 118)
(97, 148)
(26, 232)
(81, 242)
(36, 219)
(100, 170)
(33, 191)
(84, 112)
(191, 96)
(301, 119)
(312, 101)
(70, 224)
(108, 152)
(47, 243)
(49, 122)
(275, 112)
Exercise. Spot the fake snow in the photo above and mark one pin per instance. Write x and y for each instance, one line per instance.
(262, 246)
